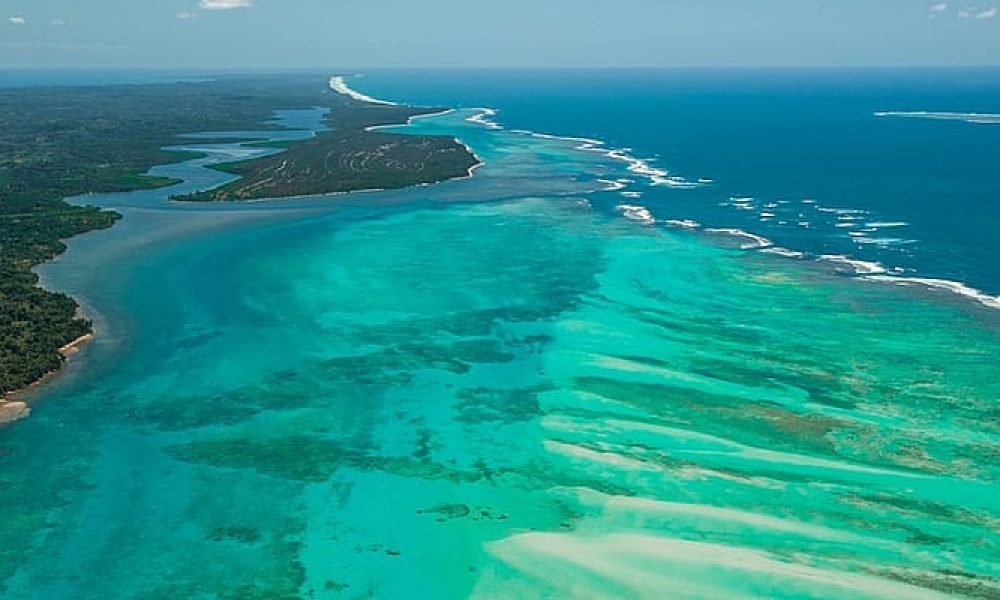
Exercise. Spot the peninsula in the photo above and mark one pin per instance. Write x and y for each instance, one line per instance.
(352, 156)
(60, 142)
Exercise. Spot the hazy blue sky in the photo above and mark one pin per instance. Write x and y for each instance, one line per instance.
(434, 33)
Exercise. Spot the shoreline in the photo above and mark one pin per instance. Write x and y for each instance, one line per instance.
(13, 405)
(470, 172)
(338, 83)
(409, 121)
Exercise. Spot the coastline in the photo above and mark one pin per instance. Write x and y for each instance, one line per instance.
(509, 354)
(13, 405)
(470, 172)
(12, 408)
(338, 83)
(339, 86)
(409, 120)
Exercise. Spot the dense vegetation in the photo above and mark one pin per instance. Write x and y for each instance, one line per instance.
(348, 158)
(60, 142)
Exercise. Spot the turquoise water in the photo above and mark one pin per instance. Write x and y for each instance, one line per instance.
(498, 387)
(798, 156)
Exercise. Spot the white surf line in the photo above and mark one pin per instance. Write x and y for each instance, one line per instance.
(479, 161)
(411, 119)
(339, 85)
(754, 241)
(634, 212)
(683, 223)
(885, 224)
(643, 167)
(483, 118)
(784, 252)
(865, 269)
(970, 117)
(858, 267)
(941, 284)
(874, 271)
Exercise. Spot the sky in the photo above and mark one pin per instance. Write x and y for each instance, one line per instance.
(306, 34)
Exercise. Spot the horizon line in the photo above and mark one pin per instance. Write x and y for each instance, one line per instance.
(762, 67)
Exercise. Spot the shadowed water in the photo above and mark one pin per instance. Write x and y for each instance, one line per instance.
(497, 388)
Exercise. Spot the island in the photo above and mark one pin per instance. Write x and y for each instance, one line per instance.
(61, 142)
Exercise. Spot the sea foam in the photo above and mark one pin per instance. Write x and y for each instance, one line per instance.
(846, 217)
(339, 85)
(612, 185)
(785, 252)
(967, 117)
(858, 267)
(683, 223)
(484, 118)
(643, 167)
(885, 224)
(942, 284)
(638, 213)
(750, 241)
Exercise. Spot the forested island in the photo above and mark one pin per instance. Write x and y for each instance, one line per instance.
(348, 158)
(58, 142)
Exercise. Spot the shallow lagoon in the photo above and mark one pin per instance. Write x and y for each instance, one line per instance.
(495, 387)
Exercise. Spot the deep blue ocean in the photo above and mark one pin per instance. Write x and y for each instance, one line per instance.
(780, 137)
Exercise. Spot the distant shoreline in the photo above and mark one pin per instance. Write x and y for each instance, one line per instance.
(339, 85)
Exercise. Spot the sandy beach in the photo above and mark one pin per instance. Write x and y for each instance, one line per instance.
(13, 407)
